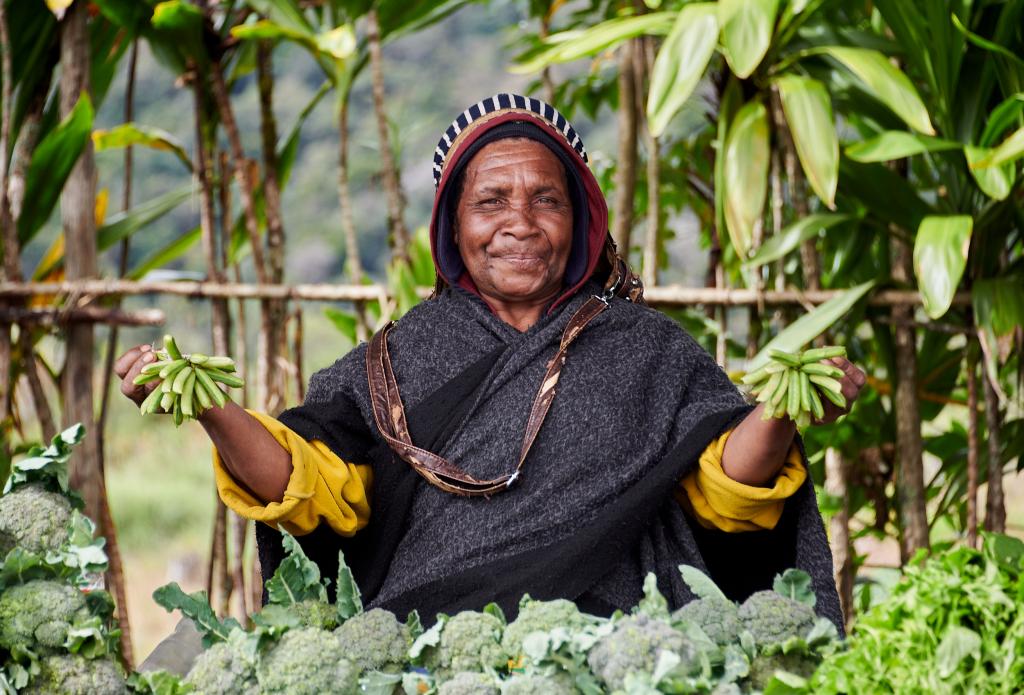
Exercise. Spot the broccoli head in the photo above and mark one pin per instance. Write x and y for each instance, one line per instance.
(306, 661)
(718, 617)
(633, 647)
(34, 519)
(521, 684)
(314, 613)
(70, 674)
(773, 618)
(763, 667)
(540, 616)
(38, 614)
(469, 641)
(375, 641)
(224, 669)
(469, 683)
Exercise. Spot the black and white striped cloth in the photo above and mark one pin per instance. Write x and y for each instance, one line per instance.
(504, 102)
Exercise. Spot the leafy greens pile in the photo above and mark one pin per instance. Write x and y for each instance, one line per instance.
(954, 624)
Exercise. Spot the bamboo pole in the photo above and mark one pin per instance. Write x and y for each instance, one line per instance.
(972, 446)
(11, 269)
(995, 507)
(60, 316)
(666, 295)
(625, 165)
(389, 168)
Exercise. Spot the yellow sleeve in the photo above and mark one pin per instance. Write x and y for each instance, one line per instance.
(322, 487)
(717, 501)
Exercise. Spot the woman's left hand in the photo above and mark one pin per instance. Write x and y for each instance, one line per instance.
(852, 381)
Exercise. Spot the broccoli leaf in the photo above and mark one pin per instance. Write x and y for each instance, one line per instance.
(379, 683)
(297, 577)
(196, 607)
(89, 639)
(83, 551)
(412, 621)
(157, 683)
(495, 610)
(785, 683)
(795, 584)
(700, 584)
(349, 600)
(653, 603)
(48, 466)
(430, 638)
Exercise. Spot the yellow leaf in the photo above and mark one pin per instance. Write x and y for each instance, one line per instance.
(48, 270)
(100, 208)
(59, 7)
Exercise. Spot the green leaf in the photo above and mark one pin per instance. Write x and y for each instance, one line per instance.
(1002, 118)
(286, 13)
(1009, 150)
(379, 683)
(124, 224)
(957, 644)
(940, 255)
(700, 584)
(795, 584)
(167, 254)
(430, 638)
(349, 601)
(494, 609)
(791, 237)
(812, 324)
(128, 134)
(896, 144)
(571, 45)
(786, 683)
(297, 578)
(681, 62)
(51, 164)
(653, 604)
(196, 606)
(886, 83)
(809, 115)
(994, 181)
(747, 27)
(48, 466)
(746, 173)
(344, 321)
(887, 196)
(181, 24)
(999, 303)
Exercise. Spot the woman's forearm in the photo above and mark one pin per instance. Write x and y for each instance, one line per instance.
(249, 452)
(757, 449)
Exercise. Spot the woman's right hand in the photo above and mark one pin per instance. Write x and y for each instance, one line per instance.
(129, 365)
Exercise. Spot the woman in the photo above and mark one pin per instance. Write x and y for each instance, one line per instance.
(529, 429)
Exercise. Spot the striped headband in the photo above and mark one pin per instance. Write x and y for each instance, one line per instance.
(493, 106)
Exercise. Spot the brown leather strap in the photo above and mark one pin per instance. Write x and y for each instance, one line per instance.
(389, 413)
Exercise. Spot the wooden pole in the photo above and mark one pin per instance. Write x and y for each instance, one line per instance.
(625, 165)
(972, 446)
(78, 200)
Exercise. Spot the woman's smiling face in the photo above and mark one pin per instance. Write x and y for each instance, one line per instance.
(513, 223)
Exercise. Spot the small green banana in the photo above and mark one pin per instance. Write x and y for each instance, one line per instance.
(152, 401)
(823, 353)
(822, 370)
(205, 403)
(816, 407)
(836, 398)
(805, 392)
(187, 394)
(793, 401)
(755, 376)
(223, 377)
(212, 389)
(172, 368)
(179, 417)
(198, 358)
(171, 347)
(223, 363)
(155, 367)
(780, 391)
(179, 380)
(787, 358)
(765, 393)
(167, 401)
(827, 383)
(145, 378)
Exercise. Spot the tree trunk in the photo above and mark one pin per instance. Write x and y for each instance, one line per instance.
(12, 255)
(390, 172)
(273, 312)
(972, 446)
(625, 165)
(353, 263)
(913, 515)
(78, 200)
(836, 484)
(995, 508)
(650, 258)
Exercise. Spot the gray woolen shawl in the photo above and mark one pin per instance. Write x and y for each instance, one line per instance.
(593, 511)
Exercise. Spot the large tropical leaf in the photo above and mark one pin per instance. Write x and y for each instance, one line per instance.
(51, 165)
(884, 194)
(179, 33)
(747, 27)
(897, 144)
(166, 254)
(886, 83)
(999, 303)
(994, 181)
(1009, 150)
(940, 255)
(790, 238)
(129, 134)
(681, 62)
(746, 173)
(808, 112)
(574, 44)
(811, 325)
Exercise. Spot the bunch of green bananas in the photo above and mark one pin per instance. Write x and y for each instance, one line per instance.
(793, 384)
(189, 382)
